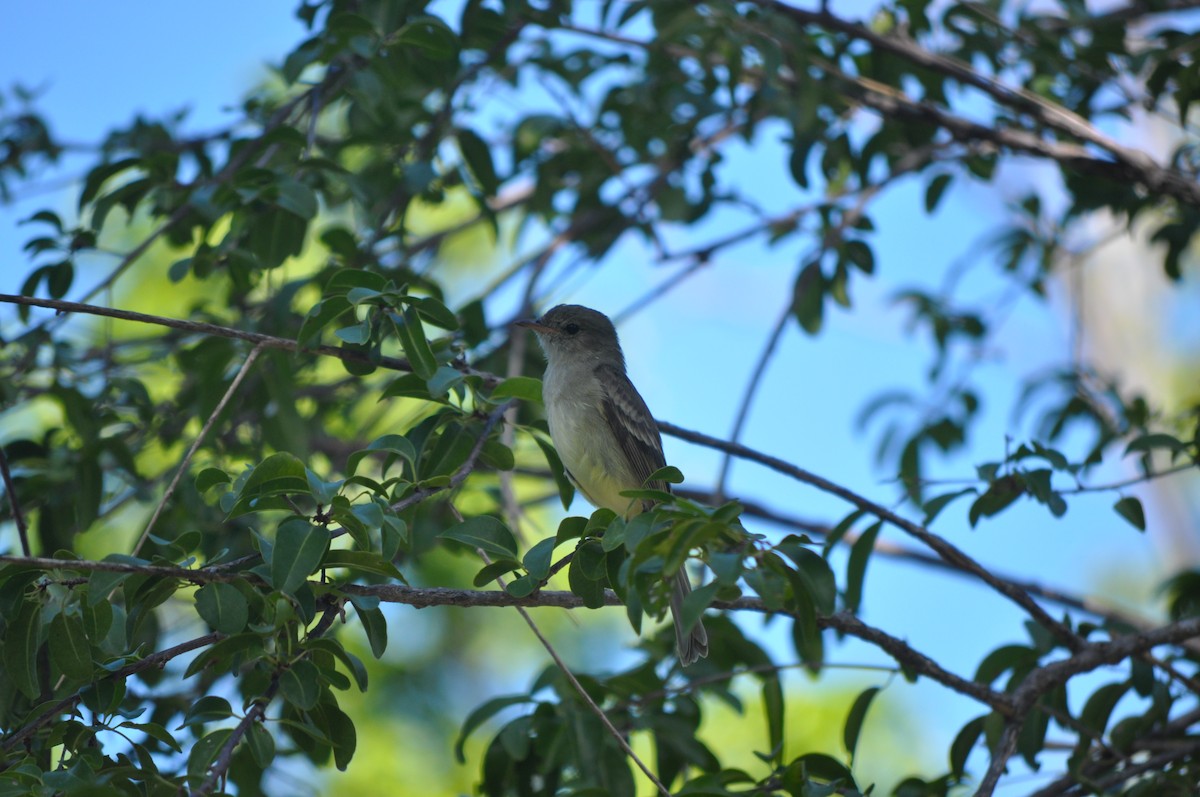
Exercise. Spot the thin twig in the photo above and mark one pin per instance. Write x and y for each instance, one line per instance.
(578, 687)
(15, 503)
(756, 378)
(464, 470)
(187, 459)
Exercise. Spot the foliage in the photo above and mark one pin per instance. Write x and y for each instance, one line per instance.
(195, 643)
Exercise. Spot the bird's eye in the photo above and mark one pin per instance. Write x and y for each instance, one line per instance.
(571, 328)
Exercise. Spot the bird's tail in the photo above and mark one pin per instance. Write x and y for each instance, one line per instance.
(693, 645)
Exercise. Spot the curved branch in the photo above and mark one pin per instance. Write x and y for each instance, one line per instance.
(946, 550)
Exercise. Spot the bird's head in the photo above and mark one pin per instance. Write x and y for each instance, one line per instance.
(576, 332)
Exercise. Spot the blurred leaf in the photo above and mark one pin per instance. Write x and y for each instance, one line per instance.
(1130, 508)
(854, 720)
(486, 533)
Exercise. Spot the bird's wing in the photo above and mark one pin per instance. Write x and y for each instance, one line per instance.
(632, 425)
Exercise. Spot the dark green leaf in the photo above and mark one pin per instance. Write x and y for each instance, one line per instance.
(1130, 508)
(278, 474)
(69, 648)
(21, 646)
(854, 719)
(479, 159)
(566, 490)
(933, 194)
(300, 685)
(520, 387)
(416, 346)
(481, 715)
(537, 559)
(374, 624)
(299, 548)
(223, 607)
(856, 569)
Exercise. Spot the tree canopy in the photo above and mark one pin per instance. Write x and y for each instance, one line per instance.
(261, 384)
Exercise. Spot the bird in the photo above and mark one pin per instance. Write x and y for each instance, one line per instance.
(604, 433)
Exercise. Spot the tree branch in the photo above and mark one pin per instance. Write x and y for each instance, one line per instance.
(947, 551)
(1134, 163)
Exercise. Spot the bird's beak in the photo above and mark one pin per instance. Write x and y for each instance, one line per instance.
(531, 323)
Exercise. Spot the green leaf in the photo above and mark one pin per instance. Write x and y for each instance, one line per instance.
(481, 715)
(809, 298)
(433, 36)
(571, 527)
(1150, 442)
(497, 455)
(204, 752)
(806, 634)
(261, 745)
(208, 708)
(1130, 508)
(933, 194)
(538, 558)
(351, 662)
(856, 569)
(299, 548)
(321, 315)
(774, 707)
(300, 685)
(1099, 707)
(156, 732)
(486, 533)
(69, 648)
(589, 590)
(341, 732)
(815, 574)
(854, 720)
(479, 159)
(566, 490)
(934, 506)
(444, 379)
(434, 311)
(209, 478)
(524, 388)
(296, 197)
(999, 496)
(392, 444)
(963, 744)
(278, 474)
(416, 346)
(366, 561)
(223, 607)
(668, 473)
(491, 571)
(374, 623)
(20, 648)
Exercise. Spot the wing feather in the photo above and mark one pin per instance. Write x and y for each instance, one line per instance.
(632, 425)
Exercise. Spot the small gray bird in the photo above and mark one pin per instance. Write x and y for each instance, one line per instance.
(605, 435)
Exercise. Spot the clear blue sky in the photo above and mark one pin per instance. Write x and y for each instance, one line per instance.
(101, 63)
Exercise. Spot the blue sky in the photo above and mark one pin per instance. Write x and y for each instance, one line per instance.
(690, 353)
